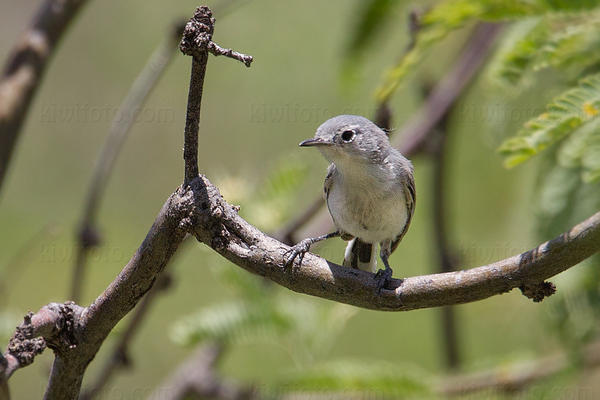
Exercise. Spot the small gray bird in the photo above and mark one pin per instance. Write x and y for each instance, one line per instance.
(369, 189)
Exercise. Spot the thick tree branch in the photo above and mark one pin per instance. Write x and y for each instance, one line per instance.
(136, 278)
(88, 235)
(120, 354)
(51, 326)
(76, 334)
(218, 225)
(25, 67)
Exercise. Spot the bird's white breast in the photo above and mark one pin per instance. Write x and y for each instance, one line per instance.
(368, 203)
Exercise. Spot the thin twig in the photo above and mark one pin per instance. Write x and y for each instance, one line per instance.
(25, 68)
(414, 134)
(88, 235)
(217, 50)
(197, 42)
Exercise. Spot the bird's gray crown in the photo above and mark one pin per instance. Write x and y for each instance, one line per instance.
(350, 136)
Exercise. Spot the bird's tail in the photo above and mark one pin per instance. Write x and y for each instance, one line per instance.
(361, 255)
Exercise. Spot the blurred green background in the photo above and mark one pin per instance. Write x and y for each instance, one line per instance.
(252, 120)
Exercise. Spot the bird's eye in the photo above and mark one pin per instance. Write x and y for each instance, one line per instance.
(347, 136)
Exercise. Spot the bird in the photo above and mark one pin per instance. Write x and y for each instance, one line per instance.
(369, 190)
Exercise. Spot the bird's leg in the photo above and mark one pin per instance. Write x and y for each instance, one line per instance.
(302, 247)
(383, 275)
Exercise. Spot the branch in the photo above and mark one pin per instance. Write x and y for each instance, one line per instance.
(447, 91)
(197, 42)
(197, 376)
(25, 67)
(120, 357)
(75, 334)
(88, 235)
(218, 225)
(517, 377)
(88, 328)
(415, 133)
(446, 257)
(51, 326)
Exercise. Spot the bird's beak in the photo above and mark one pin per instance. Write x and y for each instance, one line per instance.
(314, 142)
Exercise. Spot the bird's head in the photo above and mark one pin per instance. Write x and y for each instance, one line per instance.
(349, 137)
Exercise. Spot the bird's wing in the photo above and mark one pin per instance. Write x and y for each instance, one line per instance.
(411, 198)
(331, 171)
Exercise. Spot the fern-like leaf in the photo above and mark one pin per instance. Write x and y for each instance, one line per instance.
(572, 45)
(453, 14)
(582, 150)
(564, 115)
(520, 50)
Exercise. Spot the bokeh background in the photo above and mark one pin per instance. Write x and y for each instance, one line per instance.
(252, 121)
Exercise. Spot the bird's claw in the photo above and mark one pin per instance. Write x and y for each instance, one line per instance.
(297, 251)
(382, 277)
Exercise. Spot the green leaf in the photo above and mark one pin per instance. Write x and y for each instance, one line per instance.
(520, 50)
(449, 15)
(572, 45)
(563, 116)
(582, 150)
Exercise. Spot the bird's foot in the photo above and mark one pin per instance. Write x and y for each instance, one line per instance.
(297, 251)
(382, 277)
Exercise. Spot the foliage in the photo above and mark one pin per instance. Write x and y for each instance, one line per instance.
(562, 199)
(447, 16)
(563, 116)
(521, 48)
(563, 43)
(562, 35)
(263, 313)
